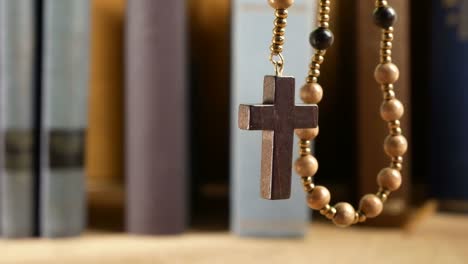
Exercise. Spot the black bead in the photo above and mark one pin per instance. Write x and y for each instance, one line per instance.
(321, 38)
(385, 17)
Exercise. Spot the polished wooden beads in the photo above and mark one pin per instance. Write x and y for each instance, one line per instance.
(318, 197)
(306, 165)
(371, 205)
(391, 110)
(345, 215)
(311, 93)
(386, 73)
(389, 179)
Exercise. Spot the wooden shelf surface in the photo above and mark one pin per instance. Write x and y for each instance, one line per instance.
(439, 239)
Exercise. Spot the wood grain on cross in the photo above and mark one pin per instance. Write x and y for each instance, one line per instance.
(278, 116)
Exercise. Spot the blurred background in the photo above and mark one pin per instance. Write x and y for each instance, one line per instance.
(119, 130)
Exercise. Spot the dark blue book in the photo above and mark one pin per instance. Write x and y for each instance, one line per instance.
(449, 104)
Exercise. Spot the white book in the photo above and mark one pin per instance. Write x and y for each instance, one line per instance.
(252, 24)
(64, 116)
(18, 90)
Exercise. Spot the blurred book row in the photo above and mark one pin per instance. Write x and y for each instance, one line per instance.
(123, 114)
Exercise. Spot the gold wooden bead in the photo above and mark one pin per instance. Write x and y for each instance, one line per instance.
(395, 145)
(395, 131)
(306, 166)
(397, 159)
(386, 52)
(318, 59)
(387, 36)
(307, 133)
(308, 184)
(324, 24)
(386, 59)
(386, 44)
(281, 13)
(345, 215)
(281, 22)
(394, 123)
(321, 52)
(315, 65)
(382, 196)
(280, 4)
(325, 209)
(391, 110)
(362, 217)
(314, 72)
(386, 73)
(318, 198)
(279, 31)
(331, 213)
(325, 17)
(304, 143)
(388, 95)
(311, 93)
(396, 165)
(389, 179)
(311, 79)
(371, 205)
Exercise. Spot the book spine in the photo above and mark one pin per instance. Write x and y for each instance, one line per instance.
(104, 143)
(251, 33)
(372, 130)
(18, 89)
(64, 121)
(104, 139)
(156, 123)
(448, 115)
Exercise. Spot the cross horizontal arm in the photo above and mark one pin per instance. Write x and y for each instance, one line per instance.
(306, 116)
(256, 117)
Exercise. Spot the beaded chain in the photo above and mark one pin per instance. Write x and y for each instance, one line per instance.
(386, 74)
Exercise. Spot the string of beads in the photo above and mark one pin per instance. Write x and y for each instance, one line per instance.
(395, 145)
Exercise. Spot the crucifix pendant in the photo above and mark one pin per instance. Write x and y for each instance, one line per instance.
(278, 116)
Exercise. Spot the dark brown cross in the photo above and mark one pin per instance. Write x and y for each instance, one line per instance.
(278, 116)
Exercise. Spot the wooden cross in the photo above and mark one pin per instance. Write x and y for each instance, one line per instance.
(278, 116)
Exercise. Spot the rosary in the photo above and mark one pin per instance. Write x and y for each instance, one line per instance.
(279, 118)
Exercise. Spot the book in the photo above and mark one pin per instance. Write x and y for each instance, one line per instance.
(64, 117)
(371, 129)
(209, 43)
(447, 116)
(18, 37)
(104, 140)
(156, 108)
(252, 24)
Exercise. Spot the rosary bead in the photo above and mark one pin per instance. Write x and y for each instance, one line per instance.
(386, 73)
(308, 184)
(307, 133)
(311, 93)
(391, 110)
(306, 166)
(371, 205)
(395, 145)
(384, 16)
(281, 22)
(318, 198)
(389, 179)
(345, 215)
(279, 31)
(280, 4)
(321, 38)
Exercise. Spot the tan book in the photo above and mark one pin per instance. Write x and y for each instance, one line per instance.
(104, 146)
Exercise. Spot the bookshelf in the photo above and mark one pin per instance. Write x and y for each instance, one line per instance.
(439, 239)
